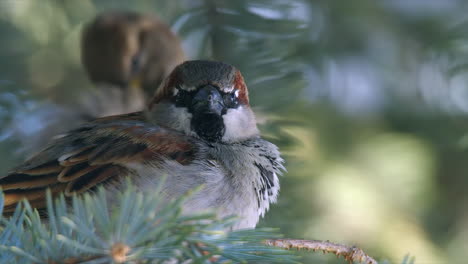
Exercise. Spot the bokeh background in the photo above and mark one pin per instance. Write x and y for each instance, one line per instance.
(368, 101)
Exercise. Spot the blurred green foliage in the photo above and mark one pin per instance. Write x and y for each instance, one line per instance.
(368, 101)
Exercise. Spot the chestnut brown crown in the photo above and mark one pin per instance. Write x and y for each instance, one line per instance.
(191, 75)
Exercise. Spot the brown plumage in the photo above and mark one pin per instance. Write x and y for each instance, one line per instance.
(91, 155)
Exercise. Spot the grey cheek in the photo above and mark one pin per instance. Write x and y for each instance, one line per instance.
(177, 118)
(181, 119)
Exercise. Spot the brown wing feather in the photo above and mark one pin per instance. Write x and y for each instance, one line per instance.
(91, 155)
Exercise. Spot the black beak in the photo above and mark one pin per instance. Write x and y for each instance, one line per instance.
(208, 100)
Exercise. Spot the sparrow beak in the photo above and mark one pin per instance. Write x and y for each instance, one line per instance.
(135, 82)
(208, 100)
(136, 71)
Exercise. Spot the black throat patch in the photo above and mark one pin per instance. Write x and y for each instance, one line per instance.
(208, 126)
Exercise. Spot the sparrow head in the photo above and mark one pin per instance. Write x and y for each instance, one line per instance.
(128, 49)
(206, 99)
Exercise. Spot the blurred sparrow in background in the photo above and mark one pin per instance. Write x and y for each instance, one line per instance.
(198, 129)
(127, 55)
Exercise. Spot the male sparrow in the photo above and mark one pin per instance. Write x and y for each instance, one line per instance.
(198, 129)
(127, 55)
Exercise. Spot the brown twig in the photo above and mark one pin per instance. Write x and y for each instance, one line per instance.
(350, 254)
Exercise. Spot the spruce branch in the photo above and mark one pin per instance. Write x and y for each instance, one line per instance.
(134, 228)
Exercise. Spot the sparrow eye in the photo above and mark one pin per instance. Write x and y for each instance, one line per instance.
(230, 100)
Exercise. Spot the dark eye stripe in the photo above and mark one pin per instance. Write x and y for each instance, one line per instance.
(183, 98)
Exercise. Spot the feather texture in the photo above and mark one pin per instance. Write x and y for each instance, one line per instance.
(92, 154)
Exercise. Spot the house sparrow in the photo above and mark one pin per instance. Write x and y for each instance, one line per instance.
(198, 129)
(127, 55)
